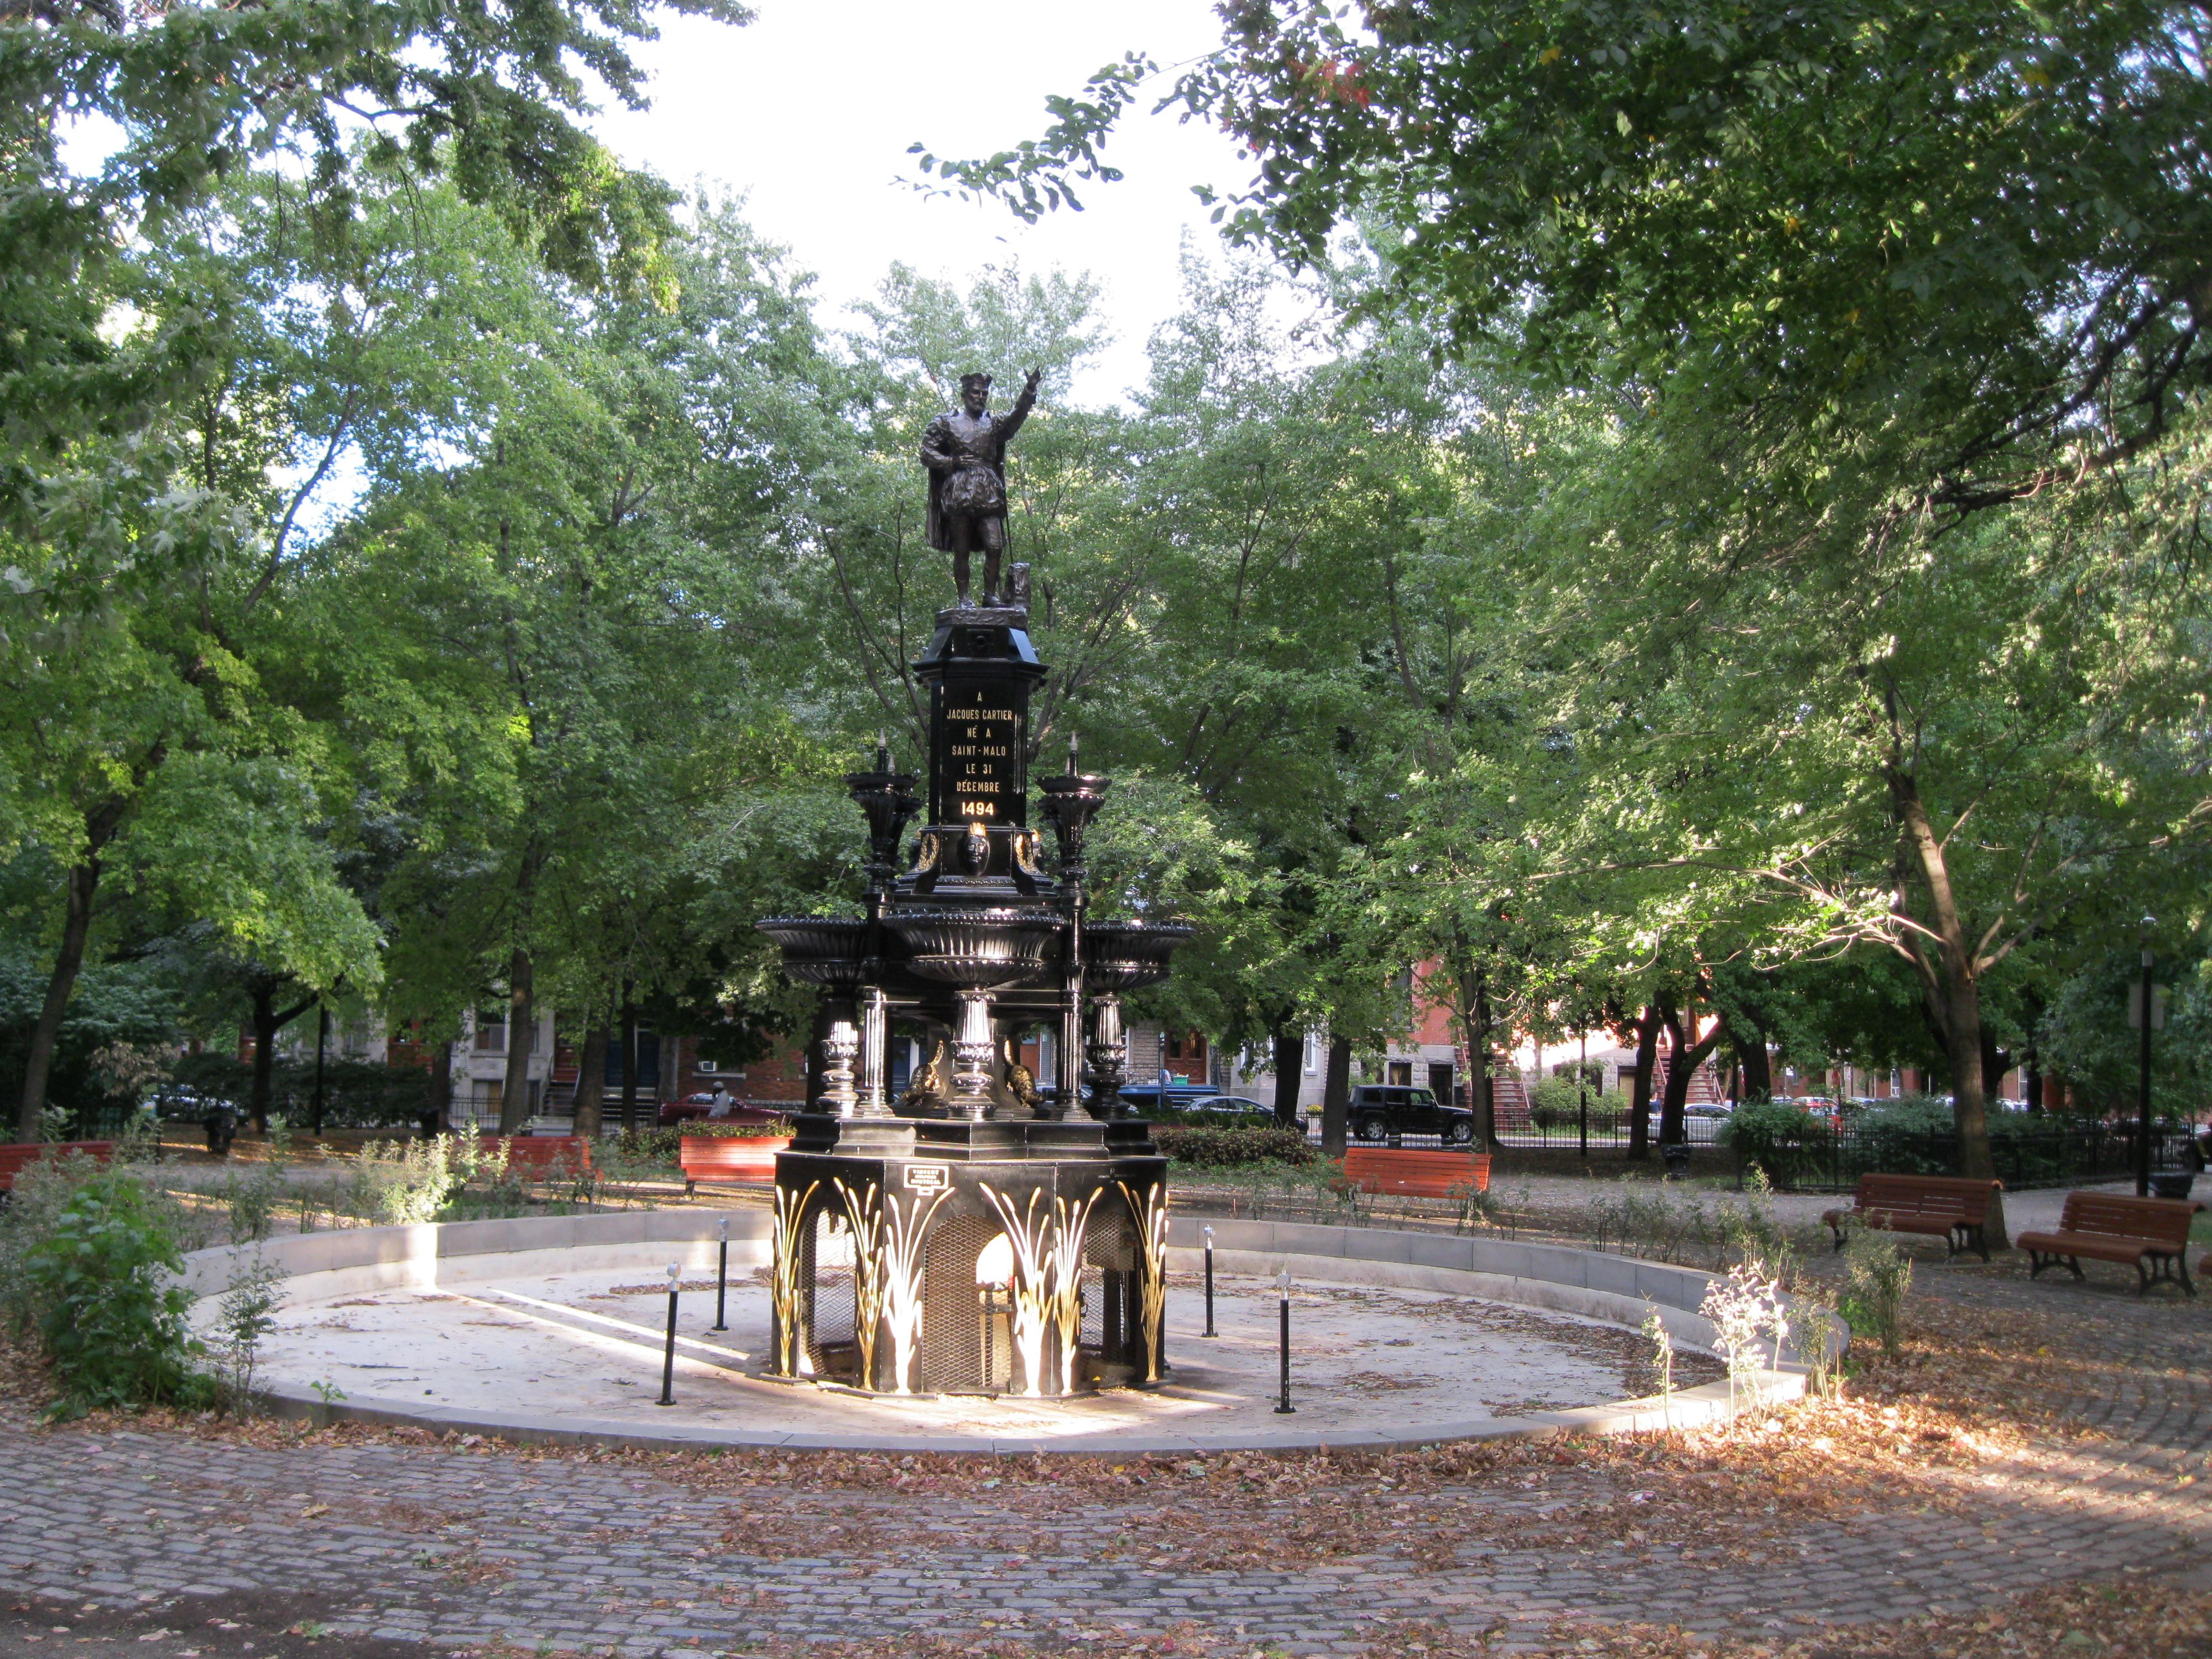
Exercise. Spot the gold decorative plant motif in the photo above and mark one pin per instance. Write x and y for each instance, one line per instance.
(1151, 1217)
(1064, 1278)
(1029, 1231)
(904, 1229)
(864, 1214)
(1028, 849)
(783, 1279)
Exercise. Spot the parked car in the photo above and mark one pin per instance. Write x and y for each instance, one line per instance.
(1227, 1112)
(178, 1103)
(1380, 1110)
(1180, 1097)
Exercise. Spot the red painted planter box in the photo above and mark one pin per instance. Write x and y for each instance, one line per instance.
(729, 1158)
(1415, 1173)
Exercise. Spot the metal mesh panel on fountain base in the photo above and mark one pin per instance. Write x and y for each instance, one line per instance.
(965, 1345)
(1109, 1273)
(826, 1291)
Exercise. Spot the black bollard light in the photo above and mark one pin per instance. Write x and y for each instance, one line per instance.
(668, 1357)
(1209, 1280)
(722, 1281)
(1282, 1289)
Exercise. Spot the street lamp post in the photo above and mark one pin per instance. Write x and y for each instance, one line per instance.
(322, 1043)
(1582, 1096)
(2142, 1124)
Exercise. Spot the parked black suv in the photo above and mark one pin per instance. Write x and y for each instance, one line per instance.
(1380, 1110)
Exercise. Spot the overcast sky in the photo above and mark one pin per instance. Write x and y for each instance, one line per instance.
(810, 110)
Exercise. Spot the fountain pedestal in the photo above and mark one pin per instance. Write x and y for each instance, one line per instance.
(979, 1234)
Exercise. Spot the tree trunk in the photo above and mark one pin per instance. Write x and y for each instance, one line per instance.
(629, 1063)
(267, 1022)
(1995, 1062)
(2031, 1056)
(441, 1085)
(1954, 996)
(521, 1039)
(1483, 1095)
(1954, 1002)
(590, 1084)
(76, 927)
(1758, 1068)
(1290, 1072)
(1674, 1110)
(1336, 1096)
(1639, 1097)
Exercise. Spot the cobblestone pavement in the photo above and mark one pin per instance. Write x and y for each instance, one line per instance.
(464, 1547)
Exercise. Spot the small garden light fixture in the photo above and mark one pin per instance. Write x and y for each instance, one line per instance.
(722, 1279)
(1283, 1406)
(1208, 1231)
(668, 1355)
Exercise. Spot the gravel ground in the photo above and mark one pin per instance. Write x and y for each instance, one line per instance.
(2030, 1436)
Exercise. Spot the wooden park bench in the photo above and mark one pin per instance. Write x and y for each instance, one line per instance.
(1948, 1207)
(14, 1159)
(728, 1160)
(2152, 1233)
(538, 1158)
(1415, 1173)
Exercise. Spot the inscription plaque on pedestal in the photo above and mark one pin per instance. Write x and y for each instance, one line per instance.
(980, 739)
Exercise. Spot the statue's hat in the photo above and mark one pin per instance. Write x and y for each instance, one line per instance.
(978, 379)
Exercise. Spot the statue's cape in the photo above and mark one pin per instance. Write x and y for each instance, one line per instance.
(940, 533)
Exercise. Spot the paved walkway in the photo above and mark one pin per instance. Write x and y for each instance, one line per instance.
(2082, 1447)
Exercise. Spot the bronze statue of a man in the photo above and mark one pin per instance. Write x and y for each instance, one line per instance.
(965, 451)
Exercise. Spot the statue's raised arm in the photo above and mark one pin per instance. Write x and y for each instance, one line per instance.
(965, 453)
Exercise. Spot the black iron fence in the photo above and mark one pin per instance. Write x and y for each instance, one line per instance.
(2031, 1154)
(1831, 1158)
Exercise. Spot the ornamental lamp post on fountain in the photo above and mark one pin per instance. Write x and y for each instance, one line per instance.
(886, 1209)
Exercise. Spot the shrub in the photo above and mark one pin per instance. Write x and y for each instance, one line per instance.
(1879, 1275)
(1224, 1149)
(407, 1183)
(246, 1315)
(99, 1290)
(358, 1094)
(659, 1146)
(1777, 1136)
(1554, 1103)
(719, 1128)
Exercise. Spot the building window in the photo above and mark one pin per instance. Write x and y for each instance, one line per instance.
(1401, 1072)
(1313, 1054)
(704, 1067)
(491, 1031)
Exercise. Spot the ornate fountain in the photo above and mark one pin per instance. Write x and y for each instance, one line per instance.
(986, 1231)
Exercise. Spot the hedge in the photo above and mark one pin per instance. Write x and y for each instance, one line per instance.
(358, 1094)
(1223, 1148)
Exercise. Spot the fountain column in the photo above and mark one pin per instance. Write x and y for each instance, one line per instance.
(972, 1052)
